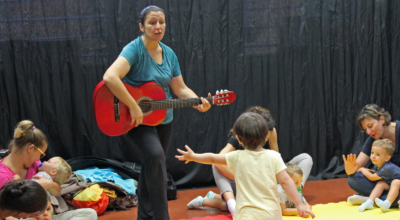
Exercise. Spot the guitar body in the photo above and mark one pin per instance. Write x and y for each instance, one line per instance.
(113, 116)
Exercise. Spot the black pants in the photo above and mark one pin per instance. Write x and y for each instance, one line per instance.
(152, 188)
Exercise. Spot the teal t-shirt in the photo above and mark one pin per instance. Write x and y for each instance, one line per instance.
(144, 69)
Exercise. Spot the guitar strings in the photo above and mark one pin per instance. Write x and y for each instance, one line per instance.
(163, 104)
(188, 101)
(167, 103)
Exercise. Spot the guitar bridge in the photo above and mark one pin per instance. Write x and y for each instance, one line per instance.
(116, 109)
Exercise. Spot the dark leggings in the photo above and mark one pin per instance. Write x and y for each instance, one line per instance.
(359, 183)
(153, 141)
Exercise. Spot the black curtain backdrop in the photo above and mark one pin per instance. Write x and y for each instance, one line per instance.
(314, 64)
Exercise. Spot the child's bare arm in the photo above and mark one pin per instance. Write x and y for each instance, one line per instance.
(206, 158)
(307, 205)
(290, 188)
(367, 173)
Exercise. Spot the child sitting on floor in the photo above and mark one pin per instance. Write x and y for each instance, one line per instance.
(256, 170)
(55, 169)
(287, 205)
(385, 171)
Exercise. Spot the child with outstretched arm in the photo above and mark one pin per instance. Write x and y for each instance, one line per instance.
(256, 171)
(386, 172)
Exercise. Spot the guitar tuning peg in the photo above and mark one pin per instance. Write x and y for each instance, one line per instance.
(217, 92)
(225, 90)
(222, 91)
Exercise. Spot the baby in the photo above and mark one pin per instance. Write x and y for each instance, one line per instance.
(55, 169)
(386, 172)
(287, 205)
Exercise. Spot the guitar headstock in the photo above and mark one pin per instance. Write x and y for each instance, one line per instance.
(224, 97)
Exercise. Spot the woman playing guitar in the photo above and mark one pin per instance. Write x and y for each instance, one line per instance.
(146, 59)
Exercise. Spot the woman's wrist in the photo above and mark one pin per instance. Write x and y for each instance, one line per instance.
(350, 173)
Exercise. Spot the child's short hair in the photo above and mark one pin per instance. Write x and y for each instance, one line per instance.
(63, 170)
(385, 144)
(293, 168)
(251, 129)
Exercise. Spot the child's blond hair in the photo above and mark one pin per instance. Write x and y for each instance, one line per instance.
(385, 144)
(63, 170)
(293, 168)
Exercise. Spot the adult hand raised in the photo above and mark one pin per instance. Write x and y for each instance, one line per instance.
(350, 165)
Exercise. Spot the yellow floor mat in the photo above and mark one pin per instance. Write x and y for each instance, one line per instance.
(344, 211)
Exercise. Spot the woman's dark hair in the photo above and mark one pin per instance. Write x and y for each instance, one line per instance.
(23, 196)
(373, 111)
(25, 133)
(147, 10)
(251, 130)
(264, 113)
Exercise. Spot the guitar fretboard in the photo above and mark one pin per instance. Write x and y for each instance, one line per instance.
(171, 103)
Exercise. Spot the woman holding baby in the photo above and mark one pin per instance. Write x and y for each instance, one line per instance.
(26, 149)
(376, 122)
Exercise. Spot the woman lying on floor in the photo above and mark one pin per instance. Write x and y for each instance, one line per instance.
(225, 179)
(22, 199)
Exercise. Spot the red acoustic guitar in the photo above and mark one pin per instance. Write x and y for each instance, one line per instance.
(114, 119)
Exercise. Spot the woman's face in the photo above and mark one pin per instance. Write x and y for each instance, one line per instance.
(373, 127)
(34, 154)
(46, 214)
(41, 151)
(154, 26)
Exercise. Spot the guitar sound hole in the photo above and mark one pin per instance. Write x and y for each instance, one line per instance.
(145, 105)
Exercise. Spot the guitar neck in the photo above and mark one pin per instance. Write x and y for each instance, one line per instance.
(173, 103)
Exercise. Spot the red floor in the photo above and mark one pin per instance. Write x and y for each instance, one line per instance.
(316, 192)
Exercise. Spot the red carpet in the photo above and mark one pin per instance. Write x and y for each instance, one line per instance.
(219, 217)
